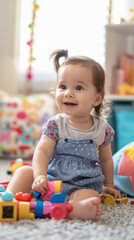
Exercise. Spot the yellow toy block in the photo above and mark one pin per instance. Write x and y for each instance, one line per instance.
(108, 199)
(24, 211)
(8, 211)
(122, 200)
(58, 186)
(15, 166)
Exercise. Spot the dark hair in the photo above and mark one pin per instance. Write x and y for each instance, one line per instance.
(98, 73)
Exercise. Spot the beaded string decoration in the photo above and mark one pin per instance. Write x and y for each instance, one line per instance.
(110, 17)
(29, 75)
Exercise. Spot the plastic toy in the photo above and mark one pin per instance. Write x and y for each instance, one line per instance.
(22, 206)
(123, 169)
(53, 187)
(17, 164)
(108, 199)
(132, 11)
(126, 89)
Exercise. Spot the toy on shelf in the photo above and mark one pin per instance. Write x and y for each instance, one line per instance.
(23, 206)
(108, 199)
(17, 164)
(132, 11)
(126, 89)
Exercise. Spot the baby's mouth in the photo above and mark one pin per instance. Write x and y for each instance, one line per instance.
(70, 104)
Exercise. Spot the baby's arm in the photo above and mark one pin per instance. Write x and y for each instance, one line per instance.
(106, 161)
(42, 155)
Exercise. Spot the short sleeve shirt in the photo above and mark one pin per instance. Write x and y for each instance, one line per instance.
(58, 127)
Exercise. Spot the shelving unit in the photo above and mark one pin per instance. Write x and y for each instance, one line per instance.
(119, 39)
(117, 97)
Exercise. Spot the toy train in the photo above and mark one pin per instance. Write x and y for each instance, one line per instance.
(108, 199)
(17, 164)
(23, 206)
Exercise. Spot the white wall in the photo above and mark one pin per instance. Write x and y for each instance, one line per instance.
(9, 43)
(9, 39)
(121, 9)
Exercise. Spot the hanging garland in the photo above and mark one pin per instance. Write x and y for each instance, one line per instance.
(29, 75)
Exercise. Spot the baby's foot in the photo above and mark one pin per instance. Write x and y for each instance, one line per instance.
(89, 209)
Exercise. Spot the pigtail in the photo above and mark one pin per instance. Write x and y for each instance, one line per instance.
(56, 55)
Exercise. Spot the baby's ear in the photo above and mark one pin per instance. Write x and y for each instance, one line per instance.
(98, 99)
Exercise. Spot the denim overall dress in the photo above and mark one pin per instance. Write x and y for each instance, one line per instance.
(75, 162)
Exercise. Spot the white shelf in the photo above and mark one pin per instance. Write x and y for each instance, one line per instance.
(119, 39)
(126, 28)
(115, 97)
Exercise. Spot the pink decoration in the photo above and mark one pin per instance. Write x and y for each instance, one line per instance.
(30, 74)
(21, 115)
(30, 43)
(4, 136)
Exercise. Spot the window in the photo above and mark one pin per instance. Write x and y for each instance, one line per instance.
(76, 25)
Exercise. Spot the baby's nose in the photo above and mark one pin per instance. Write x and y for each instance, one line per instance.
(69, 93)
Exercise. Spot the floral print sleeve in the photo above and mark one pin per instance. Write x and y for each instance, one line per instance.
(50, 129)
(109, 133)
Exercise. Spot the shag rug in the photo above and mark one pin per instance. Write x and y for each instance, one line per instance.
(116, 223)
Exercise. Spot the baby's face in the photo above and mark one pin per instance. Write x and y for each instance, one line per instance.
(75, 94)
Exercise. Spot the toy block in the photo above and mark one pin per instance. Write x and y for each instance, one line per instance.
(4, 184)
(2, 189)
(7, 196)
(24, 211)
(58, 211)
(32, 205)
(122, 200)
(58, 198)
(58, 186)
(39, 209)
(8, 211)
(46, 208)
(108, 199)
(53, 187)
(37, 195)
(26, 197)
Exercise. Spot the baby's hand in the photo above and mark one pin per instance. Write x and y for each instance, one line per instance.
(40, 184)
(116, 194)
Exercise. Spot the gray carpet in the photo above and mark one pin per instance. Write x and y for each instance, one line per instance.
(116, 223)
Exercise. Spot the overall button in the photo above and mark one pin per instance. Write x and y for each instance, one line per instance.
(91, 141)
(66, 140)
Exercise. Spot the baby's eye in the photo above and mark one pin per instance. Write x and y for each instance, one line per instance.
(79, 87)
(62, 86)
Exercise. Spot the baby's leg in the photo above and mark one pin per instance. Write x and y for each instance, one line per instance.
(22, 180)
(86, 204)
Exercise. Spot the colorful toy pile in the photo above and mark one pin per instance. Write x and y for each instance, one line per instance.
(23, 206)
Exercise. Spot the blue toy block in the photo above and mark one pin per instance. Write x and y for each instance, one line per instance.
(7, 196)
(2, 189)
(37, 195)
(39, 209)
(58, 198)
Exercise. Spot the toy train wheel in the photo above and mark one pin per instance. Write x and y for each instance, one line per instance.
(58, 212)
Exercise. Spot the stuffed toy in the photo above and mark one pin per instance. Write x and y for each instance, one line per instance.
(124, 169)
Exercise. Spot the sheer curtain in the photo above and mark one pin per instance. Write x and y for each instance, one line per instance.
(76, 25)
